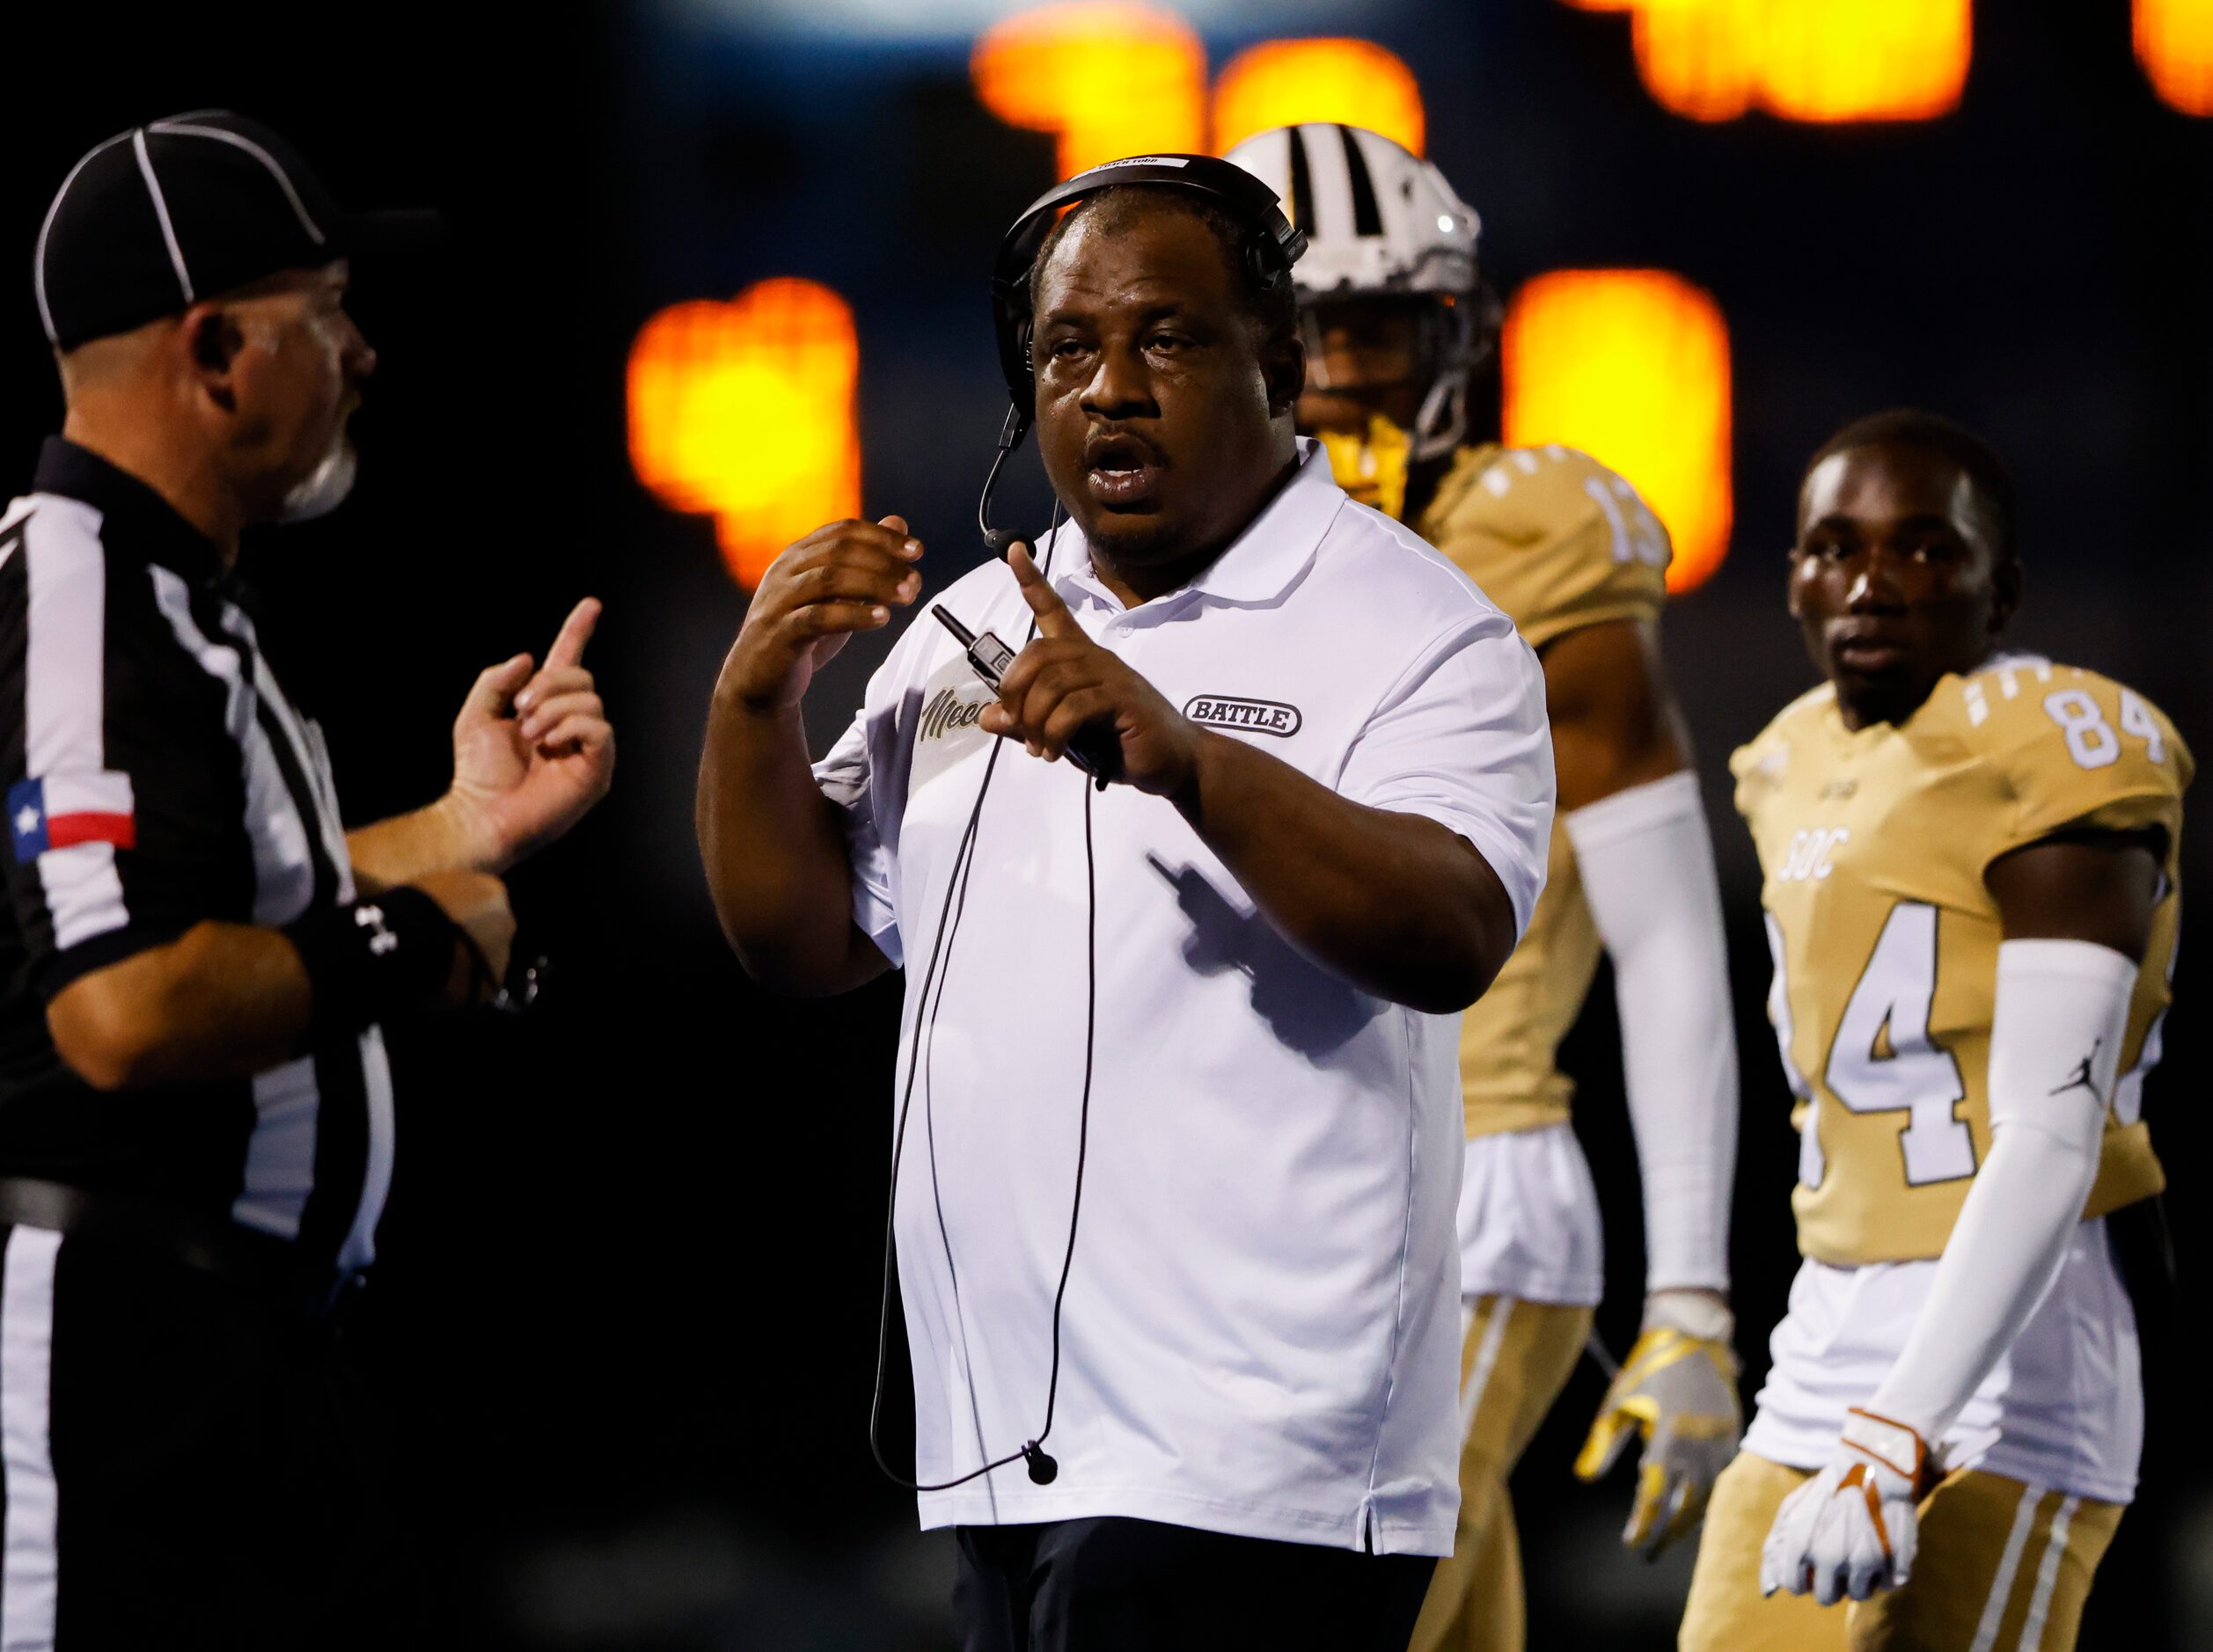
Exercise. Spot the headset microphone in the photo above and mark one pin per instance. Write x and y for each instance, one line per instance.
(1000, 541)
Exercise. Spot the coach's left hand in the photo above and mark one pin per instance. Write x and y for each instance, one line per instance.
(1063, 680)
(532, 748)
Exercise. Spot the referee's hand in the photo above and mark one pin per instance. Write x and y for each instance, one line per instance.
(1063, 681)
(533, 751)
(840, 578)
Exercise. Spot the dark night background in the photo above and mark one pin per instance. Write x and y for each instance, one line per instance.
(627, 1309)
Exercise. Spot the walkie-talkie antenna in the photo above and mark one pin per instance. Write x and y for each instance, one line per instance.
(961, 634)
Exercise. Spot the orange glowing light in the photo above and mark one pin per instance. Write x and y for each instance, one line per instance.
(1112, 78)
(1829, 61)
(1283, 83)
(1700, 58)
(1817, 61)
(2174, 43)
(744, 411)
(1632, 367)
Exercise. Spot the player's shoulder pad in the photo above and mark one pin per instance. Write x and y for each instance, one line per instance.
(1763, 759)
(2063, 745)
(1557, 540)
(2019, 707)
(1532, 495)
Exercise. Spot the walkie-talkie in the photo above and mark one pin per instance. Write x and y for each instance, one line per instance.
(1095, 749)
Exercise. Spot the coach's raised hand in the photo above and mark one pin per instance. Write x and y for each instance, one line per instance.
(773, 845)
(840, 578)
(1063, 681)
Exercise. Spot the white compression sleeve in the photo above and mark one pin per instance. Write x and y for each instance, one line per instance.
(1647, 861)
(2062, 1011)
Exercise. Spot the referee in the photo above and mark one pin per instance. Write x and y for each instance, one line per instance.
(1179, 1111)
(196, 1115)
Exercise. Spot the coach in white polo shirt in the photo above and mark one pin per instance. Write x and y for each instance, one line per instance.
(1219, 996)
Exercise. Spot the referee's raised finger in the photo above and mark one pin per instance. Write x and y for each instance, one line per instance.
(576, 632)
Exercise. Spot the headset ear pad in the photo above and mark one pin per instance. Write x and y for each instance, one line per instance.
(1011, 324)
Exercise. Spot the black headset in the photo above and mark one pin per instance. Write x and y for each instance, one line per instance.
(1272, 244)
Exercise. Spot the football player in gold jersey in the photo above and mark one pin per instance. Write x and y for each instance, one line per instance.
(1396, 324)
(1970, 885)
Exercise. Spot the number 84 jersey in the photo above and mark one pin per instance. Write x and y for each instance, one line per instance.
(1872, 849)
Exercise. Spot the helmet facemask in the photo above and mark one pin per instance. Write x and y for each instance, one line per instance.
(1398, 429)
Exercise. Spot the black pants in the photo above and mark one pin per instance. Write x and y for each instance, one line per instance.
(187, 1467)
(1107, 1585)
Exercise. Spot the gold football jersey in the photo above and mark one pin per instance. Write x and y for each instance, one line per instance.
(1872, 849)
(1560, 542)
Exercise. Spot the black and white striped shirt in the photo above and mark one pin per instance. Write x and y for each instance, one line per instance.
(158, 778)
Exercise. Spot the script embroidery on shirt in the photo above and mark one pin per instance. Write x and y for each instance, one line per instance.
(1251, 717)
(948, 711)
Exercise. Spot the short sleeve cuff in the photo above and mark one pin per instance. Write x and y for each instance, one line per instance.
(2149, 808)
(844, 778)
(872, 915)
(55, 974)
(1504, 850)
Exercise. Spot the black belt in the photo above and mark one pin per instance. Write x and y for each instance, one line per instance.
(268, 1266)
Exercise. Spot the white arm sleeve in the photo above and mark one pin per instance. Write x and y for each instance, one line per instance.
(1647, 861)
(2062, 1010)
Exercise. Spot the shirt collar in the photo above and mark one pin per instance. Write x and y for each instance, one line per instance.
(1260, 564)
(137, 521)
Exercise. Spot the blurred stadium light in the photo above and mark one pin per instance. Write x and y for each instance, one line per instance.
(1112, 78)
(2174, 43)
(744, 411)
(1632, 367)
(1819, 61)
(1282, 83)
(848, 22)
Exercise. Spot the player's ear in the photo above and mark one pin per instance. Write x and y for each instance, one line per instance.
(1790, 582)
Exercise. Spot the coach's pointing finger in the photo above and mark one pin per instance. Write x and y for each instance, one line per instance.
(1054, 618)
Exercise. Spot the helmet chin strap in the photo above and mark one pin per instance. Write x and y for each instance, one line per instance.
(1443, 420)
(1442, 424)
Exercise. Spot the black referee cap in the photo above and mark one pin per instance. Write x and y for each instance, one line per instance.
(157, 218)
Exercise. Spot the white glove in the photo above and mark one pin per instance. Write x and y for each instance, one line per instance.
(1851, 1529)
(1677, 1393)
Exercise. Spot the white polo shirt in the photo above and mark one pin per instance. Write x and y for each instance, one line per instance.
(1261, 1333)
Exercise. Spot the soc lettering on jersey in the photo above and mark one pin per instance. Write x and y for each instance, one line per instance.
(1873, 843)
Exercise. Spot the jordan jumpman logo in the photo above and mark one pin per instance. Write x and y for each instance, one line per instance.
(2082, 1079)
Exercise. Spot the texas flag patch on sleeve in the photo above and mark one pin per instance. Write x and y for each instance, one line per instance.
(59, 810)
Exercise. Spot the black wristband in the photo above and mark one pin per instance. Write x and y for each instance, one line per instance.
(376, 958)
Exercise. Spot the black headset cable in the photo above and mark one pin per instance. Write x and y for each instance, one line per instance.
(1042, 1467)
